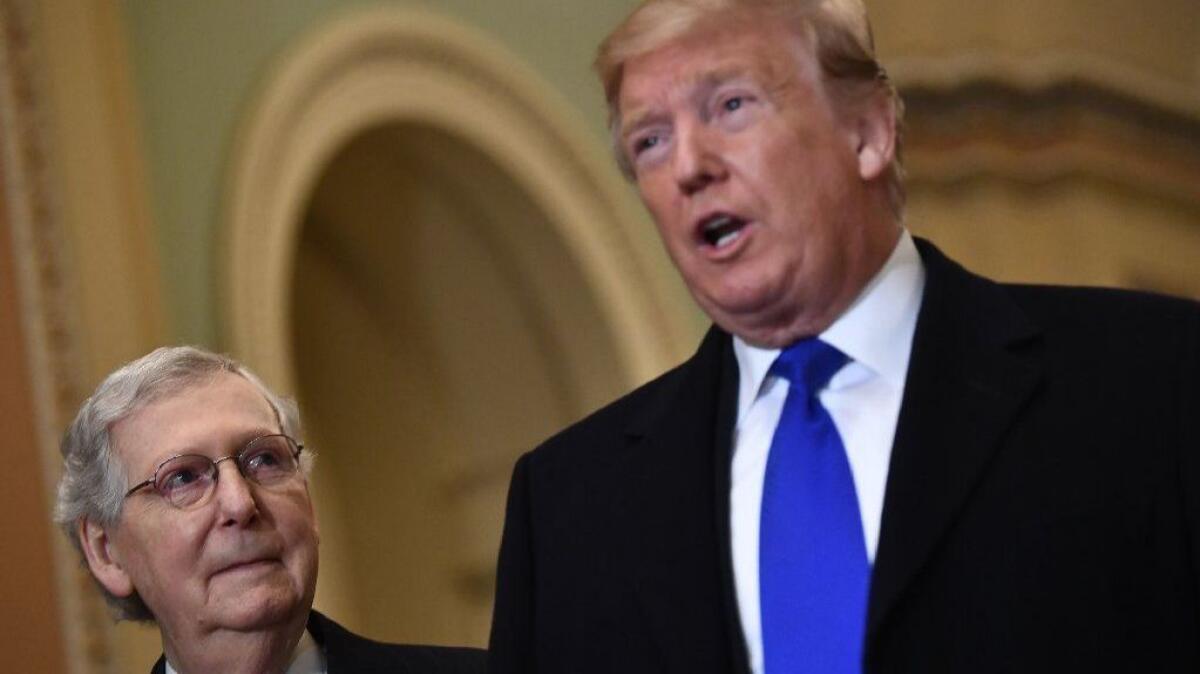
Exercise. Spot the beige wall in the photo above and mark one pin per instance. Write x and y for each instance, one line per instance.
(1054, 141)
(1157, 38)
(197, 66)
(30, 622)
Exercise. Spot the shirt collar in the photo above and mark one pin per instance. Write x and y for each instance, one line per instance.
(307, 658)
(875, 331)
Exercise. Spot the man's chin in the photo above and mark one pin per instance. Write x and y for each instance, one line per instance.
(747, 313)
(256, 609)
(765, 328)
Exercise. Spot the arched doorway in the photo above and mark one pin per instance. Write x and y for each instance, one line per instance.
(439, 330)
(424, 248)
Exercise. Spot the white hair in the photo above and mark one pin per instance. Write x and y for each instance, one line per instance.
(94, 483)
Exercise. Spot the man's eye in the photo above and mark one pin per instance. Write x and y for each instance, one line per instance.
(180, 478)
(732, 103)
(263, 459)
(644, 143)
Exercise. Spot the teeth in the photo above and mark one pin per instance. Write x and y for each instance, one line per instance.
(721, 230)
(717, 223)
(728, 238)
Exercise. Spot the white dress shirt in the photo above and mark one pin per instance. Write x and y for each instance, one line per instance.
(863, 398)
(306, 659)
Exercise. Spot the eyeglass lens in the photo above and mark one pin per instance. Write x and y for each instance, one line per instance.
(186, 480)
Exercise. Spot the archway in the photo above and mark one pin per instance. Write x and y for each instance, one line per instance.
(439, 330)
(423, 245)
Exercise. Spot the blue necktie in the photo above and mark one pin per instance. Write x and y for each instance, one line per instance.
(813, 568)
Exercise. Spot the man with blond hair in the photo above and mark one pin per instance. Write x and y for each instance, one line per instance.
(876, 461)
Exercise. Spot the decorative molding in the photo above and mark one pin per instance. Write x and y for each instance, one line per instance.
(401, 65)
(48, 307)
(1042, 71)
(1038, 120)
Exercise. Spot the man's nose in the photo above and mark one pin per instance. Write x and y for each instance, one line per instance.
(697, 158)
(234, 495)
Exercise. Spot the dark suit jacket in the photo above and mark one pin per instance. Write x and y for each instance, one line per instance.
(1042, 511)
(348, 653)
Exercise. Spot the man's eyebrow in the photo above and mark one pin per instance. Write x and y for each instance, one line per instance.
(235, 444)
(641, 117)
(718, 76)
(243, 438)
(698, 87)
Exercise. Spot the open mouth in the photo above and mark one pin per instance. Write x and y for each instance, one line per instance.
(721, 229)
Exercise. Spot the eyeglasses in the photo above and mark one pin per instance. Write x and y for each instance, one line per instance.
(189, 479)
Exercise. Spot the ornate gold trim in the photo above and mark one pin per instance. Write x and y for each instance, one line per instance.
(1043, 71)
(1038, 120)
(48, 307)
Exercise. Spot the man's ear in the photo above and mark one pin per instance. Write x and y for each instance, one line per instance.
(875, 136)
(316, 523)
(102, 558)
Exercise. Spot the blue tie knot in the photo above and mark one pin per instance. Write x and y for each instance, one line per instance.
(809, 364)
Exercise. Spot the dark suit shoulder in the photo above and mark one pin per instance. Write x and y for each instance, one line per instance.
(612, 419)
(1020, 310)
(1103, 322)
(349, 653)
(599, 435)
(1092, 304)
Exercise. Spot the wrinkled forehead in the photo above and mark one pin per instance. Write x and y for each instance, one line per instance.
(770, 54)
(654, 27)
(206, 415)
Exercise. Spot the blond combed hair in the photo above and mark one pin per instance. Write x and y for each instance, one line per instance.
(838, 31)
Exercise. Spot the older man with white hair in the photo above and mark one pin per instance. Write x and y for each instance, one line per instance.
(876, 461)
(185, 487)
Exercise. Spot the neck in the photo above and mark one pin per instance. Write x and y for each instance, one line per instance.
(267, 651)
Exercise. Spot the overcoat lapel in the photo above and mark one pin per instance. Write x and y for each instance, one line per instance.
(722, 453)
(975, 362)
(682, 444)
